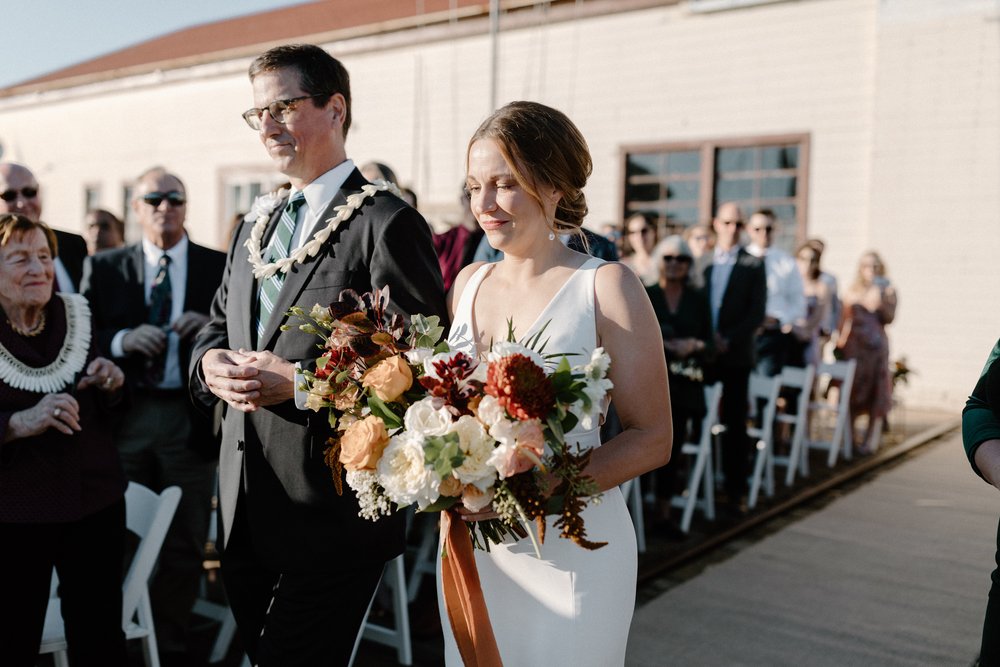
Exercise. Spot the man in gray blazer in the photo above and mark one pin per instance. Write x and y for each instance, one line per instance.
(736, 284)
(300, 567)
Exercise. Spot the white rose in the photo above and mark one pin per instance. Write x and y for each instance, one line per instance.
(418, 355)
(477, 446)
(506, 349)
(490, 411)
(426, 417)
(403, 473)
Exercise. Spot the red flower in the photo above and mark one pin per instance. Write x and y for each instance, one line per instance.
(521, 387)
(453, 383)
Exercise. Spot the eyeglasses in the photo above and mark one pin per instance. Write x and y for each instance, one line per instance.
(671, 259)
(11, 195)
(277, 109)
(174, 198)
(767, 229)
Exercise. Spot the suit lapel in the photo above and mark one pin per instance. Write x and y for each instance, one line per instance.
(137, 295)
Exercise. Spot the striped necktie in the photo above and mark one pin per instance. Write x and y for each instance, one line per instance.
(277, 249)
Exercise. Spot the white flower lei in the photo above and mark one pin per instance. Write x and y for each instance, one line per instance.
(263, 208)
(72, 355)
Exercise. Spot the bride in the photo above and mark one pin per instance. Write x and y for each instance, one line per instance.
(527, 165)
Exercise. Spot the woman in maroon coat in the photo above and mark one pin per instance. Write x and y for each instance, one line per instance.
(61, 483)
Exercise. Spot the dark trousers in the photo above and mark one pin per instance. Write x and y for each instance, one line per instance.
(87, 554)
(735, 444)
(989, 655)
(295, 618)
(775, 350)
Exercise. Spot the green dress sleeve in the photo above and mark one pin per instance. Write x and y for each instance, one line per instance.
(981, 416)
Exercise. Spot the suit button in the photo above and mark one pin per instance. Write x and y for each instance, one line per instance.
(239, 445)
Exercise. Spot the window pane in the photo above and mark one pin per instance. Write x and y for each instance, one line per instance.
(777, 187)
(643, 164)
(779, 157)
(683, 216)
(786, 215)
(685, 162)
(734, 159)
(683, 190)
(642, 192)
(734, 189)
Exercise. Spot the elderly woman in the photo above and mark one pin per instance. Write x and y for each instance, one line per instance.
(686, 326)
(61, 483)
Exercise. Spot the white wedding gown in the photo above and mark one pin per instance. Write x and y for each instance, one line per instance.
(572, 606)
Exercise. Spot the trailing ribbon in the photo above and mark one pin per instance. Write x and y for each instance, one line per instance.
(463, 598)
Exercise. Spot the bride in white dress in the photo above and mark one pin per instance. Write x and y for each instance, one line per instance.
(527, 166)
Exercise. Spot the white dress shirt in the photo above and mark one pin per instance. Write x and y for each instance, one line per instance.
(63, 279)
(177, 270)
(786, 299)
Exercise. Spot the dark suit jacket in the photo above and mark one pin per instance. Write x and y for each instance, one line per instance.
(742, 309)
(114, 283)
(296, 519)
(72, 251)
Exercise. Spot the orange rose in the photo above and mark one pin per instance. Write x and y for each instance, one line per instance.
(389, 378)
(450, 486)
(362, 443)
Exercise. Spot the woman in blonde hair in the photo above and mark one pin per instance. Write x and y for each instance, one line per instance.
(869, 305)
(527, 165)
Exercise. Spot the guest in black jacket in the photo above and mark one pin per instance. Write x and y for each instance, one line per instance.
(736, 284)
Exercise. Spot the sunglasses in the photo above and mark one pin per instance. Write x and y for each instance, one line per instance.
(11, 195)
(670, 259)
(174, 198)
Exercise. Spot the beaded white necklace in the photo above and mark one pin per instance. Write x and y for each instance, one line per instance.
(265, 205)
(71, 359)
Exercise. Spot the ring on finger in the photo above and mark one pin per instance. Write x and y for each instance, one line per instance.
(56, 412)
(107, 381)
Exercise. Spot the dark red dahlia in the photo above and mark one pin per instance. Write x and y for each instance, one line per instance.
(521, 387)
(454, 385)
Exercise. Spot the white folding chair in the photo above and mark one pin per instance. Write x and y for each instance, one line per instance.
(700, 491)
(632, 492)
(394, 577)
(762, 390)
(841, 436)
(148, 515)
(800, 379)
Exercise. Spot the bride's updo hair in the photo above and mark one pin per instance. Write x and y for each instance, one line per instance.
(544, 149)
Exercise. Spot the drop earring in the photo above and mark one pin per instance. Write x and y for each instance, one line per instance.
(552, 236)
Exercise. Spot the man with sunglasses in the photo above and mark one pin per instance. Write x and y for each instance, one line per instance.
(737, 289)
(19, 193)
(148, 301)
(299, 565)
(777, 343)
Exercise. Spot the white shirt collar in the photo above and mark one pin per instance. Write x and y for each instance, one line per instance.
(323, 188)
(726, 255)
(153, 252)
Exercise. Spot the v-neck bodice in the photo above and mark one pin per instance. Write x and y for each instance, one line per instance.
(569, 318)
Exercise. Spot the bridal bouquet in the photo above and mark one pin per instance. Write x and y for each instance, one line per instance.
(418, 423)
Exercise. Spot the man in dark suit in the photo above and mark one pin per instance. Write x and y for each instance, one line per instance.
(148, 301)
(19, 193)
(299, 565)
(736, 284)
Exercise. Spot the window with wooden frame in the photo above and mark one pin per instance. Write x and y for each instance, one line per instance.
(681, 184)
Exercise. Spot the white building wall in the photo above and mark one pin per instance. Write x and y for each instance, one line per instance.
(899, 99)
